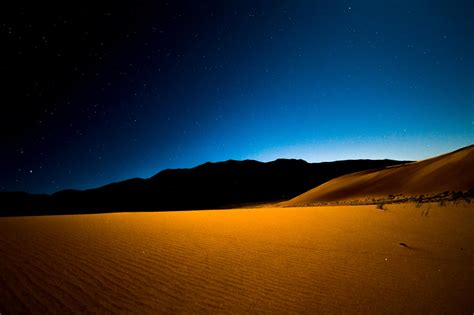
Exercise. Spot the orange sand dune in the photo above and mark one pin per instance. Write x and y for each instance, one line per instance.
(449, 172)
(344, 259)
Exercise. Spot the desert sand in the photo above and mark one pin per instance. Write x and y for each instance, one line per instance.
(339, 259)
(453, 171)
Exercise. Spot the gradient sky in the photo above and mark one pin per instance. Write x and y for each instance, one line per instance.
(105, 93)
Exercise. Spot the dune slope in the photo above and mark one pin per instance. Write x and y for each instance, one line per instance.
(449, 172)
(313, 260)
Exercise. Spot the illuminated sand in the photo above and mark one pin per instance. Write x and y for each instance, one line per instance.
(268, 260)
(453, 171)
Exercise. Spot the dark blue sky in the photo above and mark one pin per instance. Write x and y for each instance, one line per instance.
(104, 93)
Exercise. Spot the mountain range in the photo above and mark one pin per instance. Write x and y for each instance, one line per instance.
(210, 185)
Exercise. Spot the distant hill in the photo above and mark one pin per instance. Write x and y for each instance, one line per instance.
(210, 185)
(446, 173)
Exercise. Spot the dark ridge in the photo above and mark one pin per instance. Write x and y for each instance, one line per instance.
(210, 185)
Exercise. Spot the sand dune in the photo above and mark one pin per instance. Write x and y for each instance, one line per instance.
(449, 172)
(345, 259)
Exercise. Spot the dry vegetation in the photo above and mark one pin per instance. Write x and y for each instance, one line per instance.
(442, 199)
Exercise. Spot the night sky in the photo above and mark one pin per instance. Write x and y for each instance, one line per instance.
(96, 94)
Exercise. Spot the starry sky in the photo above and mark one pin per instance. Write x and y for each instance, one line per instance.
(96, 94)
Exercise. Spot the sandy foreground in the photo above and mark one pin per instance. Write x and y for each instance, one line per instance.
(345, 259)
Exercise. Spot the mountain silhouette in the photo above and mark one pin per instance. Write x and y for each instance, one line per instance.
(210, 185)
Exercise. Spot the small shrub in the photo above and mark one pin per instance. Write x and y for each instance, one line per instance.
(380, 205)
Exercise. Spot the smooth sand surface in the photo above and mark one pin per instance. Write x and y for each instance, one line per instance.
(448, 172)
(345, 259)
